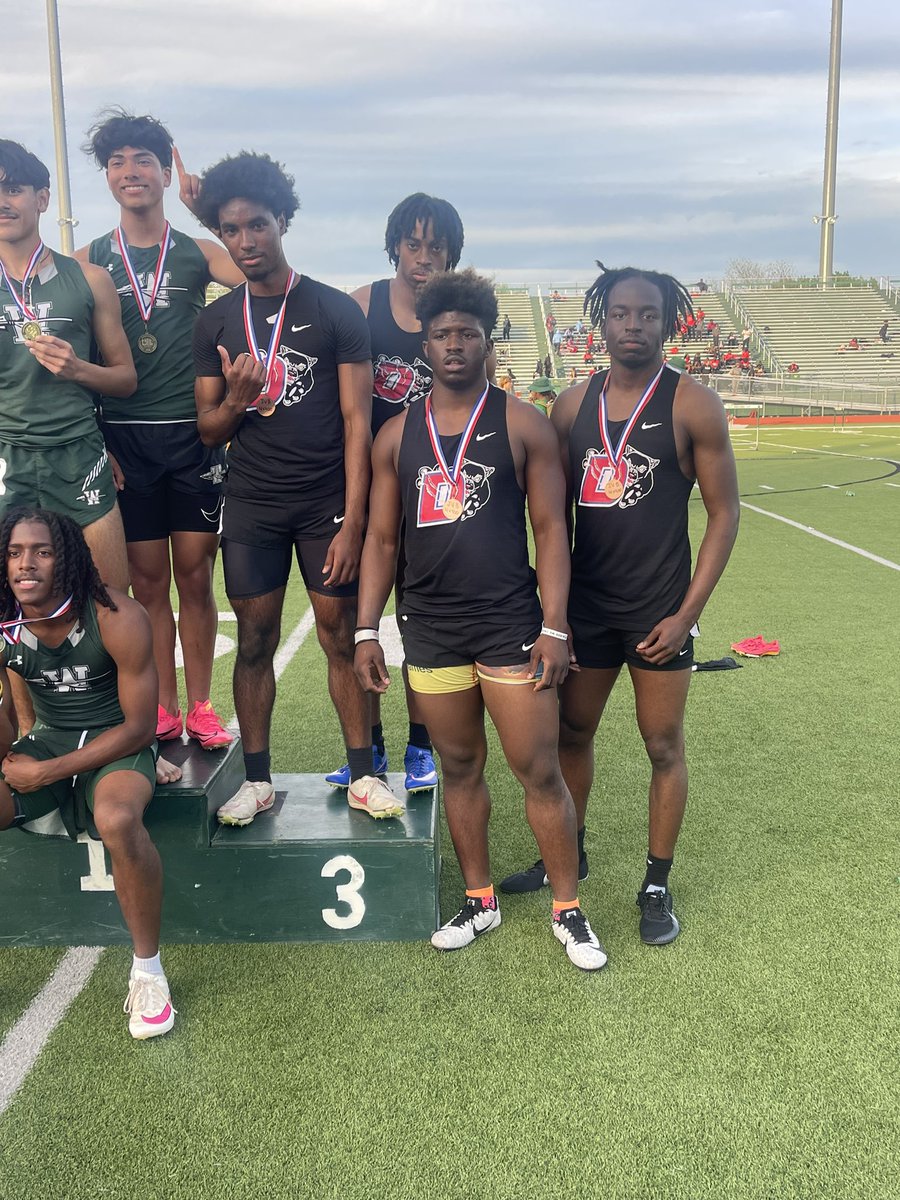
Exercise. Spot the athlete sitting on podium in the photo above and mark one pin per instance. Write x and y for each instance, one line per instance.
(86, 656)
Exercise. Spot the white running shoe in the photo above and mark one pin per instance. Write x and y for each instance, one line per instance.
(249, 800)
(476, 917)
(149, 1004)
(373, 796)
(572, 928)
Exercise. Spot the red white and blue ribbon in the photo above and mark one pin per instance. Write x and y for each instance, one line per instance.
(28, 313)
(451, 475)
(144, 308)
(271, 355)
(12, 630)
(615, 456)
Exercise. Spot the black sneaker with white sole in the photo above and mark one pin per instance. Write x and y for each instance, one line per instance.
(573, 929)
(533, 878)
(659, 925)
(477, 916)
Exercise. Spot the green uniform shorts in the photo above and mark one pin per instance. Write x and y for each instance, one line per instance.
(75, 479)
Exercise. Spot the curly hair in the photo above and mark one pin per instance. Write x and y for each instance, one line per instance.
(74, 572)
(115, 128)
(439, 214)
(21, 167)
(251, 177)
(675, 296)
(458, 291)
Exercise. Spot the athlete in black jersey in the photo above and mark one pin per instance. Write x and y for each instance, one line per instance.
(633, 442)
(454, 472)
(284, 374)
(86, 655)
(424, 236)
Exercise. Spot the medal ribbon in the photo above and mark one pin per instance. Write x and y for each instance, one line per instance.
(136, 290)
(451, 476)
(12, 630)
(250, 333)
(20, 304)
(615, 456)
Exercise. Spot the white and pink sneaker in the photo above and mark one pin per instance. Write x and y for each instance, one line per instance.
(149, 1004)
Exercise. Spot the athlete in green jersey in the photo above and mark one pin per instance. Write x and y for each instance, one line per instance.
(86, 655)
(171, 483)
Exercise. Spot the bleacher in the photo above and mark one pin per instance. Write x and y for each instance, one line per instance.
(808, 326)
(525, 343)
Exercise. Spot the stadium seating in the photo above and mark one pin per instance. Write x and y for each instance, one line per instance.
(525, 344)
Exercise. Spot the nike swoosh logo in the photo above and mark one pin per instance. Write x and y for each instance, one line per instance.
(529, 646)
(337, 520)
(653, 425)
(483, 437)
(298, 328)
(684, 651)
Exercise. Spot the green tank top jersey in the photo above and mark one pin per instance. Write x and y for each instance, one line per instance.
(38, 410)
(165, 390)
(75, 685)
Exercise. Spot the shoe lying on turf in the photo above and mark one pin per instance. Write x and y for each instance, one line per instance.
(149, 1004)
(659, 925)
(249, 800)
(373, 796)
(341, 777)
(756, 647)
(572, 928)
(168, 725)
(420, 770)
(203, 724)
(477, 916)
(533, 878)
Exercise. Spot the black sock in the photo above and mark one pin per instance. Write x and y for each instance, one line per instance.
(360, 762)
(258, 766)
(657, 872)
(378, 737)
(418, 737)
(581, 842)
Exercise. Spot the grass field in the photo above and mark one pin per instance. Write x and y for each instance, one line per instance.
(756, 1057)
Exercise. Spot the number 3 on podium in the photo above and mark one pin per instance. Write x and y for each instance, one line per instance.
(347, 893)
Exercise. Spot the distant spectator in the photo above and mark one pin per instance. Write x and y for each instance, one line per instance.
(590, 340)
(579, 327)
(767, 329)
(556, 340)
(702, 286)
(507, 382)
(883, 334)
(550, 322)
(507, 327)
(853, 344)
(793, 368)
(542, 394)
(554, 295)
(548, 366)
(746, 335)
(539, 368)
(588, 356)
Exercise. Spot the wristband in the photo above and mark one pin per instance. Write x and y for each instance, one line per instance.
(365, 635)
(554, 633)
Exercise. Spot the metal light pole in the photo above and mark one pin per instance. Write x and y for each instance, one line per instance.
(828, 218)
(66, 224)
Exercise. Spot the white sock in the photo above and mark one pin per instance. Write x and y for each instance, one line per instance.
(151, 965)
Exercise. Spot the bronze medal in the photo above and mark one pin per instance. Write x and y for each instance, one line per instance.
(614, 488)
(265, 406)
(147, 343)
(452, 509)
(31, 330)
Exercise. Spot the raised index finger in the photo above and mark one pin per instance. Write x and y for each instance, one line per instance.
(179, 165)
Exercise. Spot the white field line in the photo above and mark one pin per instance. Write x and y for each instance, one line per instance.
(813, 450)
(27, 1038)
(767, 487)
(884, 562)
(23, 1044)
(896, 485)
(834, 487)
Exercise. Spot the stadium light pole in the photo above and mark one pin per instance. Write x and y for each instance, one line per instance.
(828, 218)
(66, 223)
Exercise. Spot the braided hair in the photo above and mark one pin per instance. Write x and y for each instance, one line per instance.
(443, 218)
(675, 296)
(74, 572)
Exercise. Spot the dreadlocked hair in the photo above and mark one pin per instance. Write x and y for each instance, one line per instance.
(74, 572)
(675, 296)
(439, 214)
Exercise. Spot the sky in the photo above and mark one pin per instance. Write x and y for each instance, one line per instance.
(673, 137)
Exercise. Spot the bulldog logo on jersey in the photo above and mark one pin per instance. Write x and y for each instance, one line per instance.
(300, 380)
(442, 502)
(399, 382)
(604, 485)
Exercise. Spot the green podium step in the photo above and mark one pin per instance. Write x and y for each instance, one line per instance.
(310, 869)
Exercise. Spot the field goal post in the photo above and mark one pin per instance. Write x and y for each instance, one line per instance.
(745, 408)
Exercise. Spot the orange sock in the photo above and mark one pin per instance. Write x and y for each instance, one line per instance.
(486, 893)
(559, 905)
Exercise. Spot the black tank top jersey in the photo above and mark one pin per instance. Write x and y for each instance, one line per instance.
(299, 449)
(475, 566)
(402, 372)
(74, 685)
(631, 563)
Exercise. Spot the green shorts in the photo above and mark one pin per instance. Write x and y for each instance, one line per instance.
(75, 479)
(73, 797)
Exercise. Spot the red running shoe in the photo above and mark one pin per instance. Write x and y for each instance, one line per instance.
(168, 725)
(203, 724)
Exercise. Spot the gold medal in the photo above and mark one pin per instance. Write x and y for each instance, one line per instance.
(614, 488)
(452, 509)
(265, 406)
(147, 343)
(31, 330)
